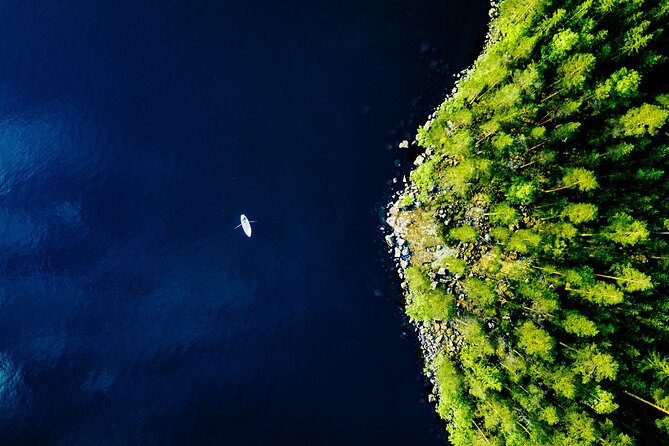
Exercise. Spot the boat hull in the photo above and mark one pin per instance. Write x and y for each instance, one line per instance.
(246, 226)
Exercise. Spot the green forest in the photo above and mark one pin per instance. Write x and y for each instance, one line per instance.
(538, 226)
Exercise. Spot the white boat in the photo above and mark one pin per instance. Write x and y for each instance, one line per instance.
(246, 225)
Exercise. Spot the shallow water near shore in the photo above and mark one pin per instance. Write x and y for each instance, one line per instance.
(132, 136)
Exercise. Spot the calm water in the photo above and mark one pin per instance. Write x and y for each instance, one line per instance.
(132, 135)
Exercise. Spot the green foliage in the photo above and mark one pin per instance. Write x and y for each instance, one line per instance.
(522, 192)
(454, 265)
(580, 213)
(647, 119)
(453, 405)
(579, 325)
(636, 38)
(481, 293)
(581, 276)
(623, 84)
(649, 174)
(540, 297)
(423, 302)
(625, 230)
(600, 293)
(602, 401)
(619, 151)
(658, 365)
(632, 280)
(575, 71)
(562, 230)
(423, 136)
(546, 201)
(459, 144)
(580, 430)
(529, 80)
(417, 280)
(459, 178)
(473, 331)
(663, 100)
(430, 306)
(561, 44)
(424, 177)
(406, 200)
(504, 214)
(514, 270)
(663, 424)
(582, 179)
(550, 415)
(595, 366)
(500, 233)
(538, 132)
(502, 141)
(464, 234)
(504, 98)
(565, 132)
(535, 341)
(523, 240)
(550, 23)
(561, 380)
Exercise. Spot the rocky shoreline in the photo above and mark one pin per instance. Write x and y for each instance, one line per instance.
(434, 336)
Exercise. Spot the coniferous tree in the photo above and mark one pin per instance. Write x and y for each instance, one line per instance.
(544, 204)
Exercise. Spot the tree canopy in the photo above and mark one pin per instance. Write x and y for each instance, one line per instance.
(544, 200)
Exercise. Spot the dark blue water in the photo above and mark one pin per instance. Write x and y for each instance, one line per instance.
(132, 135)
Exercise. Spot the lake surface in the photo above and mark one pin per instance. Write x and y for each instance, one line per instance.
(132, 136)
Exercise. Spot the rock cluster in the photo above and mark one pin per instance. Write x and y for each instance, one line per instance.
(434, 336)
(399, 248)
